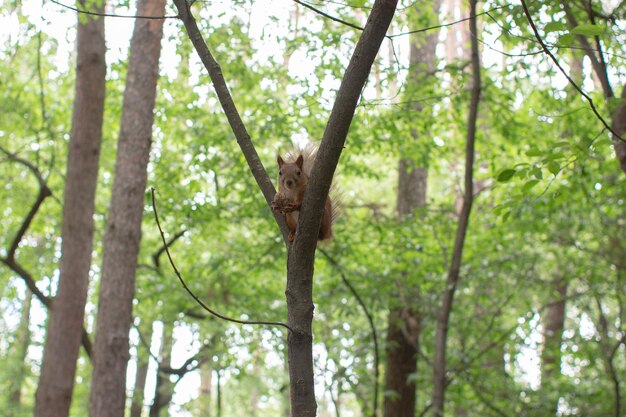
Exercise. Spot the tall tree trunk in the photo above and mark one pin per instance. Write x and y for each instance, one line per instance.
(65, 325)
(18, 357)
(204, 396)
(619, 126)
(123, 232)
(401, 363)
(218, 392)
(164, 389)
(143, 359)
(403, 326)
(553, 324)
(441, 336)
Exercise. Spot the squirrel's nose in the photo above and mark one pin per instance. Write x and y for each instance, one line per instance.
(289, 183)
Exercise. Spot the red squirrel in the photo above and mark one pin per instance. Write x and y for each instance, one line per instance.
(293, 177)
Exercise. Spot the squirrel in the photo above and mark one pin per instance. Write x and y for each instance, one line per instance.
(293, 177)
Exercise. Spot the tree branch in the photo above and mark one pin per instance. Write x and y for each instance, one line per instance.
(195, 297)
(234, 119)
(370, 320)
(572, 82)
(91, 13)
(157, 255)
(338, 125)
(11, 262)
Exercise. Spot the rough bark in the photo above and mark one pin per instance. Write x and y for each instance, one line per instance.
(18, 357)
(443, 319)
(123, 231)
(65, 326)
(401, 354)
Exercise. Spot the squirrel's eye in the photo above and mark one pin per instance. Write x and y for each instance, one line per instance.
(280, 172)
(298, 172)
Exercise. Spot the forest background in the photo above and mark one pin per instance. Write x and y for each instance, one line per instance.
(536, 313)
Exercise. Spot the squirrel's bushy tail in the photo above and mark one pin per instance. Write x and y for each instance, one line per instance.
(308, 152)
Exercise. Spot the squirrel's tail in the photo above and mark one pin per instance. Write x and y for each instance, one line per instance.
(308, 152)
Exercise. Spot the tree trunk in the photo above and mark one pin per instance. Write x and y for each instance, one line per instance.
(301, 253)
(401, 363)
(164, 389)
(143, 359)
(441, 336)
(65, 327)
(123, 232)
(204, 397)
(619, 126)
(553, 323)
(403, 322)
(218, 391)
(18, 357)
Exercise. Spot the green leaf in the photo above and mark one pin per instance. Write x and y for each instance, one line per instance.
(565, 40)
(506, 175)
(534, 152)
(530, 184)
(587, 29)
(554, 167)
(554, 27)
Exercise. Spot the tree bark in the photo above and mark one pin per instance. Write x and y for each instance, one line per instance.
(18, 357)
(123, 231)
(553, 324)
(65, 327)
(401, 363)
(441, 335)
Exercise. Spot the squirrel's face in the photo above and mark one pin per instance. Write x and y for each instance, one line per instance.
(291, 177)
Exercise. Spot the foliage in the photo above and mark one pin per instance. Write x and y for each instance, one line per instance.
(550, 202)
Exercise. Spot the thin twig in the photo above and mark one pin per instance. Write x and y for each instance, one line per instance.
(369, 319)
(326, 15)
(443, 25)
(13, 264)
(88, 12)
(182, 281)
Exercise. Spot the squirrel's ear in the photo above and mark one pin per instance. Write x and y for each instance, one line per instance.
(300, 161)
(280, 161)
